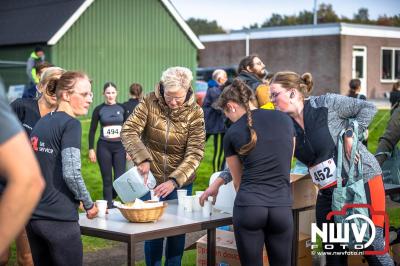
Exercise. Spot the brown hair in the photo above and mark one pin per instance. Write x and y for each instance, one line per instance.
(40, 66)
(396, 86)
(136, 90)
(354, 85)
(289, 80)
(241, 94)
(109, 84)
(246, 62)
(65, 83)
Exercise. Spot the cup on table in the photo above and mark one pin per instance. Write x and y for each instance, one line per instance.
(207, 208)
(188, 203)
(196, 202)
(181, 193)
(102, 208)
(154, 197)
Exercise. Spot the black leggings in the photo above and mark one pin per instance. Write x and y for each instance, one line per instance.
(218, 156)
(55, 243)
(256, 226)
(110, 155)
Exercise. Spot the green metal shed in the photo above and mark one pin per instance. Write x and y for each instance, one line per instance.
(123, 41)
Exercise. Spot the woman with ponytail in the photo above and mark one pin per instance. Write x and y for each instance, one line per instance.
(318, 122)
(258, 148)
(53, 230)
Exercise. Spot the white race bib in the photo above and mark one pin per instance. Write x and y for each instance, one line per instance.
(323, 174)
(112, 132)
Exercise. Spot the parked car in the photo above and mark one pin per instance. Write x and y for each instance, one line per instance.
(15, 92)
(200, 91)
(205, 73)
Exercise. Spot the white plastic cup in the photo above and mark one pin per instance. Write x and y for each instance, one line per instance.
(207, 208)
(154, 197)
(101, 207)
(196, 203)
(181, 194)
(188, 203)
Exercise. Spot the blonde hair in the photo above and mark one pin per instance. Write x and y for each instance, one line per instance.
(176, 78)
(218, 73)
(289, 80)
(48, 76)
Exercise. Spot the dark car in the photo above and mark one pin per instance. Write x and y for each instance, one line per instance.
(200, 91)
(205, 73)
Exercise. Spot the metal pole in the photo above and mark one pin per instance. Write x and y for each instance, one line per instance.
(247, 43)
(315, 12)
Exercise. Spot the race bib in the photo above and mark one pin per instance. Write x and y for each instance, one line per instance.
(112, 132)
(323, 174)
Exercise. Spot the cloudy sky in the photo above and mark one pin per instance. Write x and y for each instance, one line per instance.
(234, 14)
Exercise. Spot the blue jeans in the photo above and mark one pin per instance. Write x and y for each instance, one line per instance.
(153, 249)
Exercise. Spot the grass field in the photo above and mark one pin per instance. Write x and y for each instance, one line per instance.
(93, 180)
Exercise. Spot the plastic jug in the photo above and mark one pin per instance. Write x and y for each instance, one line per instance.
(130, 185)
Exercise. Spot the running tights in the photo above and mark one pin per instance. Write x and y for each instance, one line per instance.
(256, 226)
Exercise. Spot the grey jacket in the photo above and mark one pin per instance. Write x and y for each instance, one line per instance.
(339, 110)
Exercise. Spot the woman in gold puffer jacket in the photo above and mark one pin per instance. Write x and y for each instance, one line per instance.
(166, 134)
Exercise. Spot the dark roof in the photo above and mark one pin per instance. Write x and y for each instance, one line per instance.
(33, 21)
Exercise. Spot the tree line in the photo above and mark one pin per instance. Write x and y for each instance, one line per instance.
(325, 14)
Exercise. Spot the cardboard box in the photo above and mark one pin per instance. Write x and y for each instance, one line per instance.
(303, 190)
(226, 250)
(356, 260)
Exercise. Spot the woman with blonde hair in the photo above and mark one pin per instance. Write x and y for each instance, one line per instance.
(319, 122)
(165, 134)
(29, 111)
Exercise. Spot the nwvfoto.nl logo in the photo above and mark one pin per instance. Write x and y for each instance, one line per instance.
(349, 234)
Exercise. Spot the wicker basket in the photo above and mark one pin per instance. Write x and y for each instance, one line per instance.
(144, 215)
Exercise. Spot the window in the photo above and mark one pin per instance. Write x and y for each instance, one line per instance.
(390, 64)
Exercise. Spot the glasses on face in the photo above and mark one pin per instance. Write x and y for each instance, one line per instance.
(84, 94)
(171, 98)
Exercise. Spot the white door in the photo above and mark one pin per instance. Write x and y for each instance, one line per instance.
(359, 67)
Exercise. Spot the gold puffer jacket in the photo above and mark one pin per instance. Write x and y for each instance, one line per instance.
(173, 140)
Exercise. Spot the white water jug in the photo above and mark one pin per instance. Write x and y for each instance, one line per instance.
(130, 185)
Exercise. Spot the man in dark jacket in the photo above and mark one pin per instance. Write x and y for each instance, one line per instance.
(390, 138)
(214, 118)
(252, 71)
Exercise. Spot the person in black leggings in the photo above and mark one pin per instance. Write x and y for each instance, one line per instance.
(258, 147)
(110, 152)
(214, 118)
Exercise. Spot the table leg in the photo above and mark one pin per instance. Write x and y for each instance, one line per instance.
(131, 252)
(211, 239)
(295, 236)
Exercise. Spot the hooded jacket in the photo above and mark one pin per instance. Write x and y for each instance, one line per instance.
(260, 88)
(171, 139)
